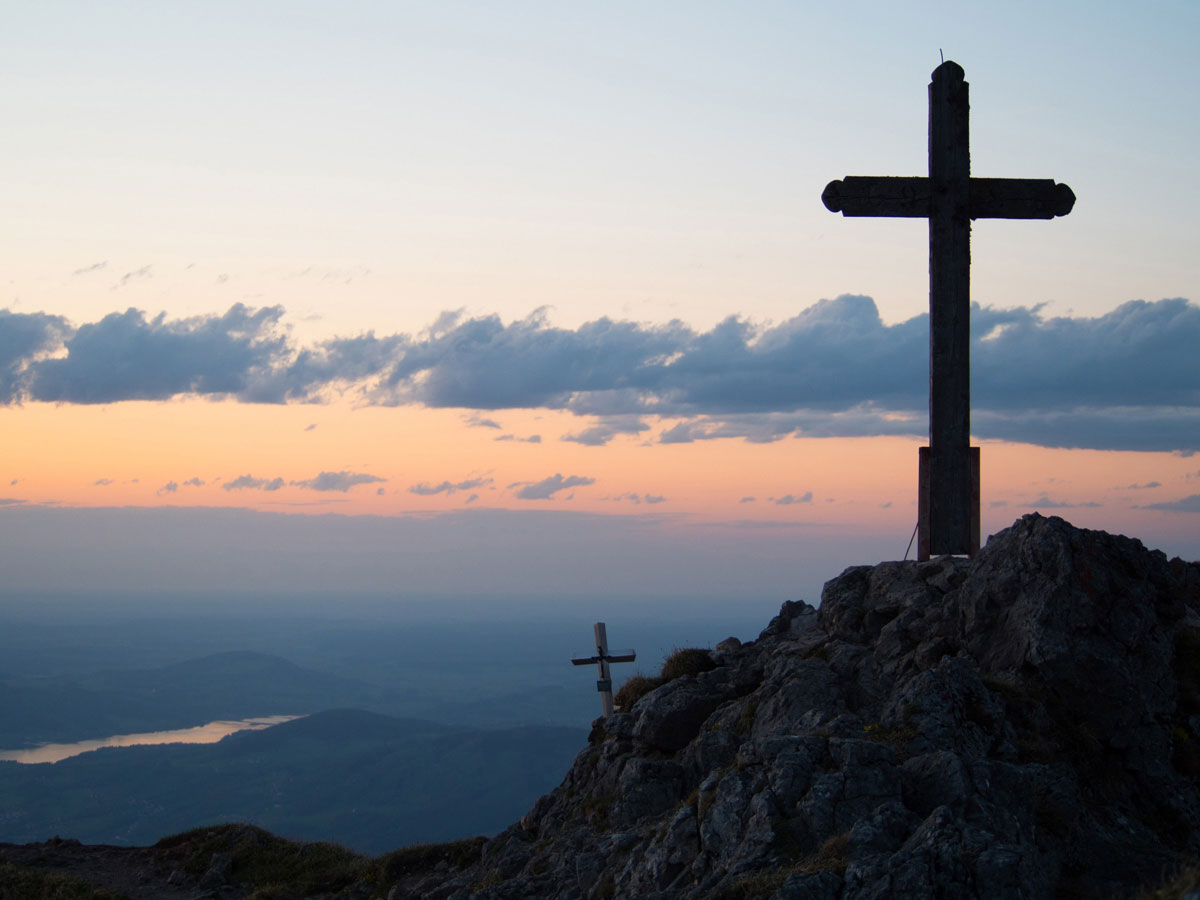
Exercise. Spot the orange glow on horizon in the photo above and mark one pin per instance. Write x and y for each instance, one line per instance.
(129, 454)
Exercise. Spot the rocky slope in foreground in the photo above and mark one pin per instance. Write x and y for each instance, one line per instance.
(1023, 725)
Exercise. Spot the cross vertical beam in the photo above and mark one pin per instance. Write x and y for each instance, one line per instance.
(604, 684)
(949, 311)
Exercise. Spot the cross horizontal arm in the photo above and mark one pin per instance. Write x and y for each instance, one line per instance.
(619, 656)
(1020, 198)
(883, 195)
(905, 197)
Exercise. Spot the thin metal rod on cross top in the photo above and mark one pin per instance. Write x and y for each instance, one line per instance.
(948, 469)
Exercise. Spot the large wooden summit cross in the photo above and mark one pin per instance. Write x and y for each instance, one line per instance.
(948, 481)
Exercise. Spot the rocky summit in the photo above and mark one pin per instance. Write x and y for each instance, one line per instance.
(1024, 724)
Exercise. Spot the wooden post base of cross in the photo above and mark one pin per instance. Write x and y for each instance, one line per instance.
(923, 538)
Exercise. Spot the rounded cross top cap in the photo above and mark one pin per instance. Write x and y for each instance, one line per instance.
(948, 71)
(832, 196)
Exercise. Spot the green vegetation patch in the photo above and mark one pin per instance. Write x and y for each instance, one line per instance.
(1177, 886)
(820, 651)
(681, 661)
(596, 809)
(898, 738)
(1017, 696)
(606, 889)
(751, 887)
(422, 857)
(686, 661)
(279, 868)
(491, 879)
(275, 867)
(745, 722)
(704, 803)
(35, 884)
(832, 857)
(633, 690)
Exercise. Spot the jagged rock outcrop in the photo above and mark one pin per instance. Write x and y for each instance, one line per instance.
(1022, 725)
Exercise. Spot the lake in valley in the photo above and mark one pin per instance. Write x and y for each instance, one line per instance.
(201, 734)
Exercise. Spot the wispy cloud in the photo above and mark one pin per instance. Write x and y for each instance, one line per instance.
(548, 487)
(336, 481)
(94, 267)
(532, 439)
(789, 499)
(1045, 502)
(481, 422)
(607, 428)
(169, 488)
(634, 497)
(1188, 504)
(135, 275)
(249, 482)
(449, 487)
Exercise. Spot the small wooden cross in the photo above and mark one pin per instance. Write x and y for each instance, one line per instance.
(602, 659)
(948, 481)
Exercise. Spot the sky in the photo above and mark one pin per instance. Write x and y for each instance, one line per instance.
(540, 299)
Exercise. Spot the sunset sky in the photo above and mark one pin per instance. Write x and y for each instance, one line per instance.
(540, 298)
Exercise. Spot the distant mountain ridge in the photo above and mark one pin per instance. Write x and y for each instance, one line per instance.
(369, 781)
(234, 685)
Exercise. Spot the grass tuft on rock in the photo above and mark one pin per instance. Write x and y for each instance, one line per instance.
(686, 661)
(1181, 884)
(832, 857)
(681, 661)
(35, 884)
(273, 866)
(421, 857)
(278, 868)
(633, 690)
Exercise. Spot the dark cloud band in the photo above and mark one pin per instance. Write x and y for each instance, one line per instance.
(1126, 380)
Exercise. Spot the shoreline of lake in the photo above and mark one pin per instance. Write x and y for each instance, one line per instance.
(208, 733)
